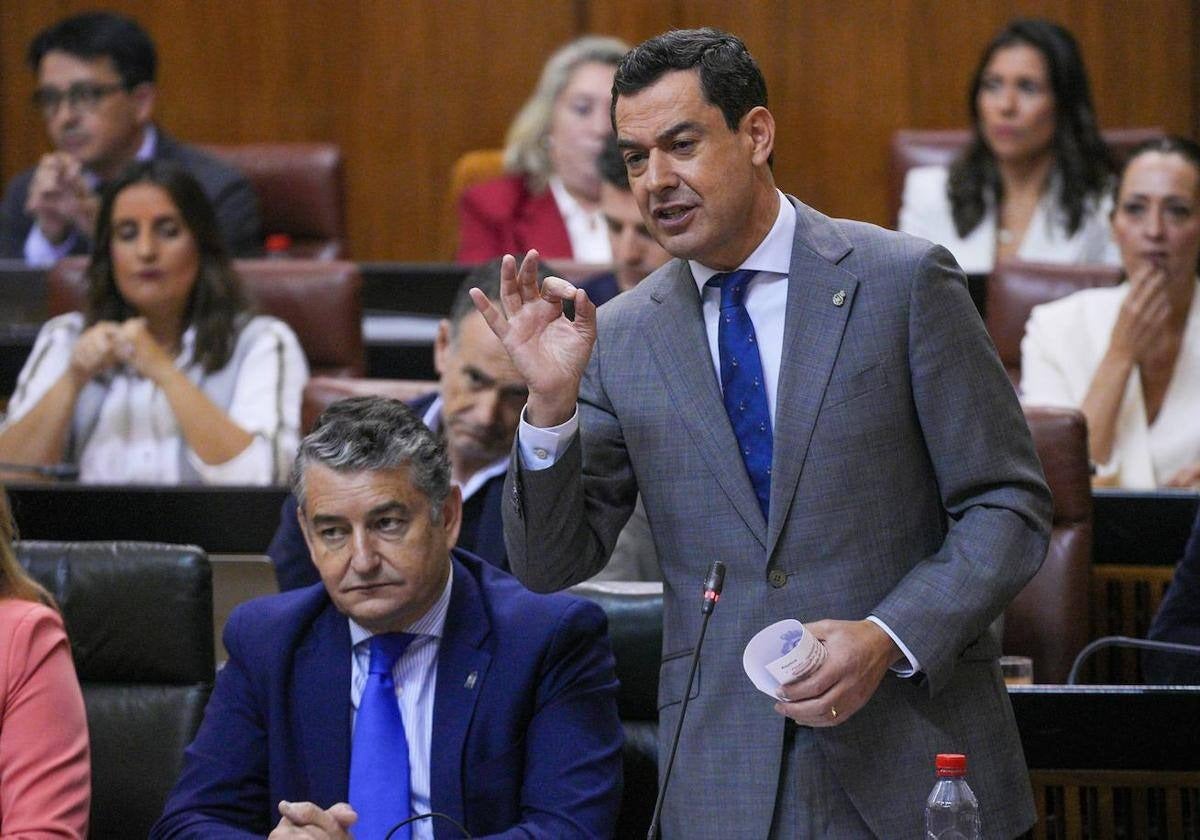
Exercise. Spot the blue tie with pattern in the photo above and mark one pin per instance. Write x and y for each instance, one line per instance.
(379, 783)
(742, 382)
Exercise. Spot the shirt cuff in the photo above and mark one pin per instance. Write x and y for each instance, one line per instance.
(900, 670)
(39, 251)
(250, 467)
(540, 448)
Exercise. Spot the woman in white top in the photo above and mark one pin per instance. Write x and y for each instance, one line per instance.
(1032, 181)
(166, 377)
(1129, 356)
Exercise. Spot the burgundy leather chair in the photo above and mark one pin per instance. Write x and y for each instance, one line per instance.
(930, 147)
(300, 190)
(1049, 620)
(322, 391)
(1015, 287)
(321, 300)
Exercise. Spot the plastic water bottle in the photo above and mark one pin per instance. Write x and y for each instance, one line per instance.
(952, 811)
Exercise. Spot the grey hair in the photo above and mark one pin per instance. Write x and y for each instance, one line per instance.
(525, 147)
(375, 433)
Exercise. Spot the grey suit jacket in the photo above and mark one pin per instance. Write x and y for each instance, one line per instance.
(232, 196)
(905, 485)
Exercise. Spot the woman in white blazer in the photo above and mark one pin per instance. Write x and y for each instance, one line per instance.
(1032, 182)
(1129, 356)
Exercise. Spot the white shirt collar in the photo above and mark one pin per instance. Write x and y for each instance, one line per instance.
(433, 419)
(773, 254)
(430, 624)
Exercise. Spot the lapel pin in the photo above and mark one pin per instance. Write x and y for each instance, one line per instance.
(839, 297)
(471, 677)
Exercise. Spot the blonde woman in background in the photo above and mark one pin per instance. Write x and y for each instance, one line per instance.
(548, 199)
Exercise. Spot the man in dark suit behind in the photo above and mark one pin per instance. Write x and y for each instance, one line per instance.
(506, 699)
(96, 92)
(475, 408)
(814, 402)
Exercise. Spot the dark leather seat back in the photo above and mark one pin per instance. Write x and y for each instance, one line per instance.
(300, 189)
(320, 392)
(1015, 287)
(939, 147)
(139, 616)
(634, 612)
(321, 300)
(1050, 619)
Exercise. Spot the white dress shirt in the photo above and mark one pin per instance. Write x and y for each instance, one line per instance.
(415, 676)
(40, 251)
(585, 228)
(766, 303)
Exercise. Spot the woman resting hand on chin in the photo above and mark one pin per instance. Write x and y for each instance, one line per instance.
(1129, 356)
(167, 377)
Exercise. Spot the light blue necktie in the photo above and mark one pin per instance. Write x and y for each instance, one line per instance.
(380, 790)
(743, 383)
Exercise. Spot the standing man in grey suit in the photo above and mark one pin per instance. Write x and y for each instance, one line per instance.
(887, 492)
(96, 92)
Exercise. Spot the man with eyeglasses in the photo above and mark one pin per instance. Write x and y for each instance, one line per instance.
(96, 92)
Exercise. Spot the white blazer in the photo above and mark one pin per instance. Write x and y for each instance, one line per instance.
(1063, 345)
(925, 212)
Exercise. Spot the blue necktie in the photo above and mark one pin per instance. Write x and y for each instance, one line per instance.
(743, 383)
(379, 783)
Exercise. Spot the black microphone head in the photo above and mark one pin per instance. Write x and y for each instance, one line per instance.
(712, 586)
(715, 581)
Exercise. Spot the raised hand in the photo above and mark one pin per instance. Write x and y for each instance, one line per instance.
(60, 199)
(94, 352)
(1143, 316)
(549, 350)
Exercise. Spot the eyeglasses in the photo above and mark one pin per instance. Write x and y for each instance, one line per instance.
(80, 97)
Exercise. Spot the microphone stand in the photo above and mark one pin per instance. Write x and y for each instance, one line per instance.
(712, 593)
(1127, 642)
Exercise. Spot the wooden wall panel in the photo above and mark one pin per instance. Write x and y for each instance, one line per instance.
(405, 88)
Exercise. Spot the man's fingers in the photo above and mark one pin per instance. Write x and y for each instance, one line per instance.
(306, 813)
(527, 277)
(490, 312)
(557, 290)
(345, 815)
(510, 291)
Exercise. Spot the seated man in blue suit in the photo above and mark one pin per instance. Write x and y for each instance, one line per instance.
(417, 679)
(475, 409)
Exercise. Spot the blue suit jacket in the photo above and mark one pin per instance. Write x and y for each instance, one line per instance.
(531, 747)
(1178, 620)
(482, 529)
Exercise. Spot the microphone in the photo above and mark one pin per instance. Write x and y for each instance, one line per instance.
(428, 816)
(1128, 642)
(713, 584)
(65, 472)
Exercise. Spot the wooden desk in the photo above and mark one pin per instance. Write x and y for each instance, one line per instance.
(1112, 761)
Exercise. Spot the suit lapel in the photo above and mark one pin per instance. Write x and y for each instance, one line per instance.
(820, 297)
(322, 680)
(540, 222)
(461, 669)
(679, 343)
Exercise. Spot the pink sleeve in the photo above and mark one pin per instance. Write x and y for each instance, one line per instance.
(45, 774)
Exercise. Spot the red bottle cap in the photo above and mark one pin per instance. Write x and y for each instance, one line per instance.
(951, 764)
(278, 243)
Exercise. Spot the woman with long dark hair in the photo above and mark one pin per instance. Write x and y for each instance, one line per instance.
(1129, 356)
(1032, 183)
(45, 770)
(167, 377)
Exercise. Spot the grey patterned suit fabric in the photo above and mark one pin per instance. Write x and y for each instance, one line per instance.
(905, 485)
